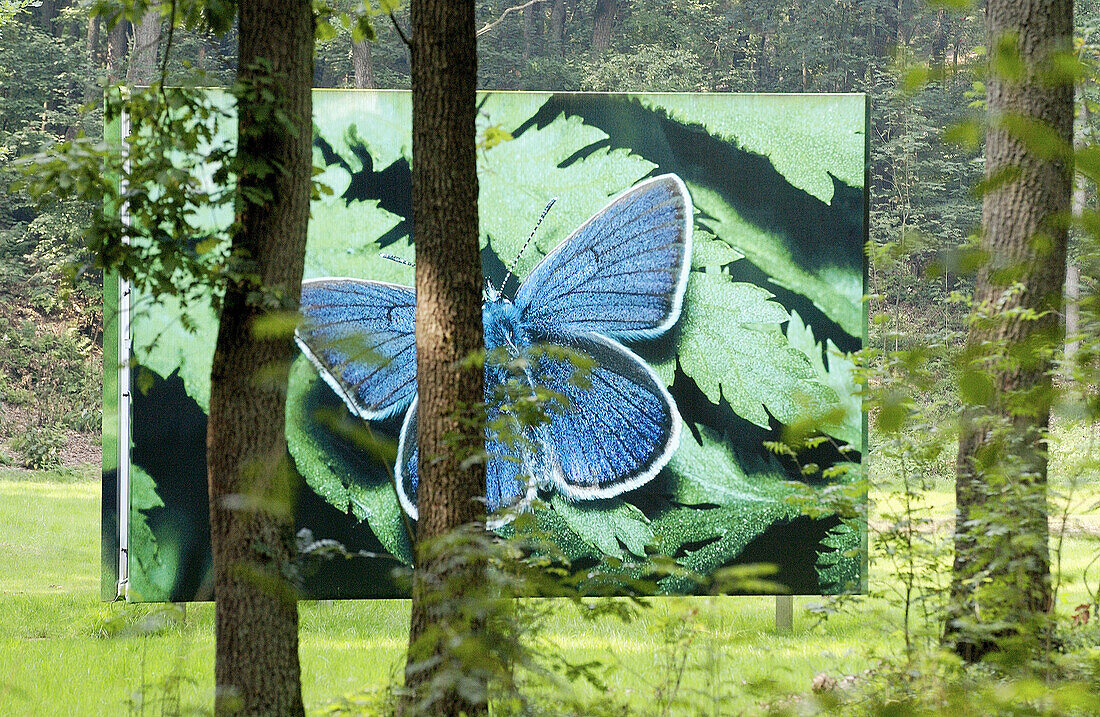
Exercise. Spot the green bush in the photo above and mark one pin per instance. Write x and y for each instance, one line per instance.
(39, 447)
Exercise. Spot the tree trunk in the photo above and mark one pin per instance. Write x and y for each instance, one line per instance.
(252, 484)
(557, 27)
(362, 65)
(1001, 572)
(601, 28)
(762, 65)
(448, 330)
(91, 82)
(532, 28)
(1073, 311)
(47, 13)
(116, 50)
(143, 57)
(938, 51)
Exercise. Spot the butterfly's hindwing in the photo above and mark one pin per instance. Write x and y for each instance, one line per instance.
(503, 483)
(361, 336)
(622, 274)
(619, 425)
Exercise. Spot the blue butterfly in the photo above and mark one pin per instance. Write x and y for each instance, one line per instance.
(621, 276)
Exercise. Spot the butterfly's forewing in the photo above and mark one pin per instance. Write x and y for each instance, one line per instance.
(619, 425)
(360, 335)
(622, 274)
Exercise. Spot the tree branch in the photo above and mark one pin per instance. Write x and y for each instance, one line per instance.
(400, 32)
(490, 25)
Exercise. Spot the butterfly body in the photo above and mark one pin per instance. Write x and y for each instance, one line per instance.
(600, 431)
(503, 325)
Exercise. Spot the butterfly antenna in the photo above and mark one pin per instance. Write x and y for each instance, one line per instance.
(398, 259)
(528, 242)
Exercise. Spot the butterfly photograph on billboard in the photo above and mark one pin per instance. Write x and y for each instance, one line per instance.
(674, 280)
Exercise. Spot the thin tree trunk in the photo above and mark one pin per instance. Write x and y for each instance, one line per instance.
(557, 27)
(762, 64)
(143, 57)
(448, 328)
(532, 28)
(1073, 273)
(1073, 311)
(91, 82)
(601, 28)
(1001, 572)
(117, 46)
(938, 50)
(47, 13)
(362, 65)
(252, 484)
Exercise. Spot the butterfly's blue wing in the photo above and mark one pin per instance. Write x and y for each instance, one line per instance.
(622, 274)
(613, 434)
(360, 335)
(503, 485)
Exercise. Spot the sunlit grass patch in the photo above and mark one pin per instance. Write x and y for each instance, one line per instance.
(62, 651)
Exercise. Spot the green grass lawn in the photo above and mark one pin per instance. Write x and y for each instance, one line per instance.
(64, 652)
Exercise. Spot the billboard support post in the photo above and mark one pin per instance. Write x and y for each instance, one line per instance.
(123, 358)
(784, 613)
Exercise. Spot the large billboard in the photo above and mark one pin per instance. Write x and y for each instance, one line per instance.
(694, 289)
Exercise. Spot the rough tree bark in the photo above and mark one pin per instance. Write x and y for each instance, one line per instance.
(603, 16)
(143, 56)
(1001, 463)
(362, 65)
(448, 314)
(252, 485)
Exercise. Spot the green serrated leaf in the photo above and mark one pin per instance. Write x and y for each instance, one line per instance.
(342, 243)
(711, 474)
(606, 523)
(163, 344)
(725, 531)
(341, 464)
(841, 569)
(730, 344)
(513, 193)
(806, 137)
(153, 567)
(838, 292)
(380, 121)
(710, 252)
(839, 376)
(733, 498)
